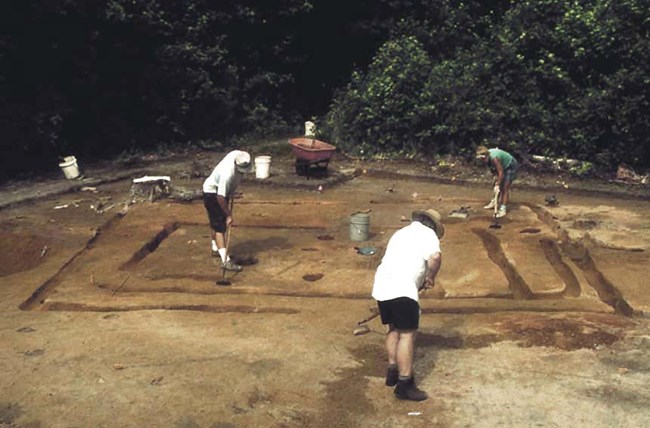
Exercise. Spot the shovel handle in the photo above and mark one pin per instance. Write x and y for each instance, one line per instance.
(370, 318)
(375, 311)
(231, 204)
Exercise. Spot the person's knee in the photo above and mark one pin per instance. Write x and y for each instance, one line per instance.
(406, 334)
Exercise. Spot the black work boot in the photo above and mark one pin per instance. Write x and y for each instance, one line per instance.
(392, 376)
(406, 390)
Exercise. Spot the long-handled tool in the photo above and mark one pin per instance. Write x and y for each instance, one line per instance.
(375, 314)
(362, 328)
(496, 224)
(223, 280)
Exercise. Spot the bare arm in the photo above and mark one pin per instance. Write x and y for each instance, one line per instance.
(433, 266)
(223, 203)
(499, 167)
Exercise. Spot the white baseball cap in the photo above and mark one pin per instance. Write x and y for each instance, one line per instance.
(243, 162)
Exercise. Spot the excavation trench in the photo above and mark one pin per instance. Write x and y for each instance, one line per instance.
(260, 226)
(516, 283)
(519, 289)
(80, 307)
(607, 292)
(40, 294)
(231, 291)
(579, 255)
(552, 254)
(150, 246)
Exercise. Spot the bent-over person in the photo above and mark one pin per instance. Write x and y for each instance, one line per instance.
(218, 191)
(504, 166)
(410, 263)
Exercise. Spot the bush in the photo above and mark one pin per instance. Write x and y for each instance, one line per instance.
(549, 77)
(386, 110)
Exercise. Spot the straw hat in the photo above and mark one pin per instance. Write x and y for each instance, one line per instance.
(434, 217)
(243, 162)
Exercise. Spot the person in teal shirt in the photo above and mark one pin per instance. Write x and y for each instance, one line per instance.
(504, 166)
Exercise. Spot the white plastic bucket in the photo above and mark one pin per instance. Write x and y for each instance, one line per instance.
(359, 226)
(310, 129)
(262, 166)
(69, 167)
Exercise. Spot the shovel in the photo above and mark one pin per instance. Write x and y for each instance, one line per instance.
(223, 280)
(362, 328)
(496, 224)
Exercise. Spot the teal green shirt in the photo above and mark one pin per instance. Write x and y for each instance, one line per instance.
(504, 157)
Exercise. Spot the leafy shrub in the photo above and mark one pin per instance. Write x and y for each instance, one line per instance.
(385, 110)
(557, 78)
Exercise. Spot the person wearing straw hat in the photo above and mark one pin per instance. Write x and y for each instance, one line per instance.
(218, 191)
(504, 166)
(411, 262)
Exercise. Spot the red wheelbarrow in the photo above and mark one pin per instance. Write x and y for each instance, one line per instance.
(311, 155)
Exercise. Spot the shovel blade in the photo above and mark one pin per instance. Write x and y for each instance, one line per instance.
(361, 330)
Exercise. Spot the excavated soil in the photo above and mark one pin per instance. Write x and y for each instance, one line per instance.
(112, 315)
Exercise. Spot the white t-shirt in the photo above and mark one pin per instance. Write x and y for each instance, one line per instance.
(224, 178)
(404, 265)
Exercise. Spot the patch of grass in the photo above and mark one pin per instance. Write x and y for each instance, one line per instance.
(272, 147)
(583, 169)
(129, 157)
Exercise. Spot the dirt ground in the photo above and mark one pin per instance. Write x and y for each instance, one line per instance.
(110, 315)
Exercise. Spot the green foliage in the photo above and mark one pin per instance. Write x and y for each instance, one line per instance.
(384, 111)
(583, 169)
(566, 78)
(99, 78)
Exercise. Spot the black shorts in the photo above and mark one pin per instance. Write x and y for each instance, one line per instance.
(403, 313)
(215, 214)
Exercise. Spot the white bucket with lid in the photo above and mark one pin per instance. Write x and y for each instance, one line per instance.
(69, 167)
(262, 166)
(359, 226)
(310, 129)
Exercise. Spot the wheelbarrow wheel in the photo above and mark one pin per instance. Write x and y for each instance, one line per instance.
(301, 168)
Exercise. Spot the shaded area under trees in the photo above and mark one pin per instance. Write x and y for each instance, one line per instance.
(98, 78)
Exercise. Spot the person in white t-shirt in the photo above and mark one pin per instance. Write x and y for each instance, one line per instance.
(410, 263)
(218, 190)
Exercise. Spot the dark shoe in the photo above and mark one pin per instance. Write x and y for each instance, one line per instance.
(215, 253)
(392, 376)
(229, 265)
(406, 390)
